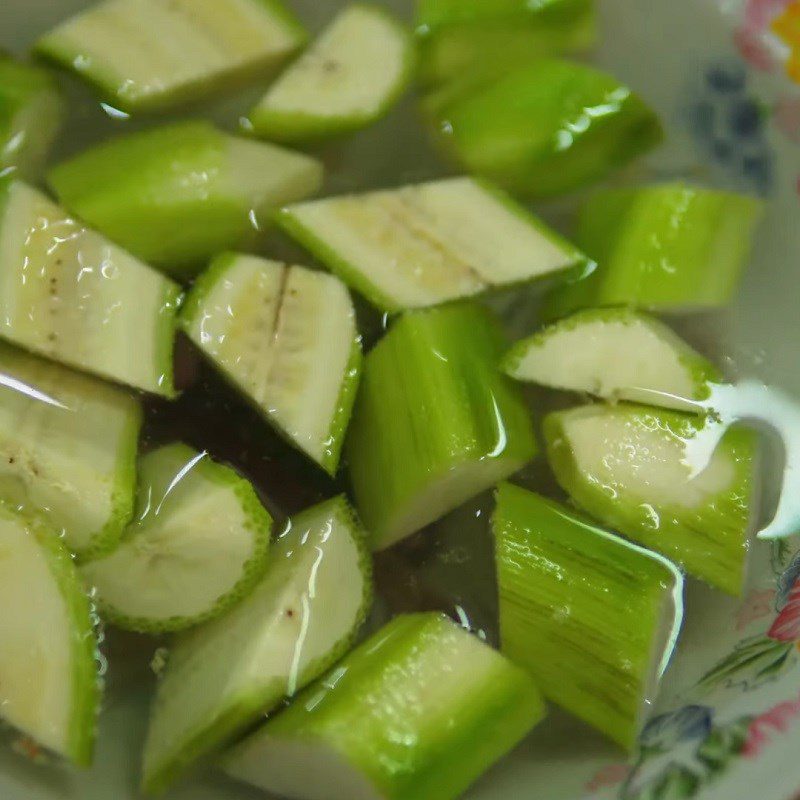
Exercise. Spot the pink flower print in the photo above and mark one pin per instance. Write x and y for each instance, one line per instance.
(787, 117)
(763, 728)
(611, 775)
(757, 605)
(751, 38)
(759, 13)
(753, 50)
(786, 627)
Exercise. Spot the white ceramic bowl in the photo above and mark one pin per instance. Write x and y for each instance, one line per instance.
(707, 67)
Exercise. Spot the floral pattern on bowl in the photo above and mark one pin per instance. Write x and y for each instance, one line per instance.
(698, 747)
(728, 724)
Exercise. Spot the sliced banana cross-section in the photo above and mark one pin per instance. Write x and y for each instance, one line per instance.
(302, 616)
(148, 54)
(347, 79)
(199, 544)
(286, 337)
(49, 687)
(429, 243)
(69, 294)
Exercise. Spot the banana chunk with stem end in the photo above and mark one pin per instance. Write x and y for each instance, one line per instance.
(348, 78)
(417, 712)
(286, 337)
(199, 544)
(300, 619)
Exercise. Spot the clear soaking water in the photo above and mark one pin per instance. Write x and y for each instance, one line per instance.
(449, 566)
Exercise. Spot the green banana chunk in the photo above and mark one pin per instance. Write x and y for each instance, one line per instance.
(300, 619)
(286, 337)
(199, 545)
(349, 78)
(458, 36)
(616, 354)
(147, 55)
(429, 243)
(179, 194)
(31, 111)
(544, 129)
(664, 479)
(49, 680)
(594, 618)
(69, 294)
(417, 712)
(435, 422)
(671, 247)
(67, 450)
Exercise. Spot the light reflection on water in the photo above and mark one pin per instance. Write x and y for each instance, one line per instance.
(768, 409)
(765, 407)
